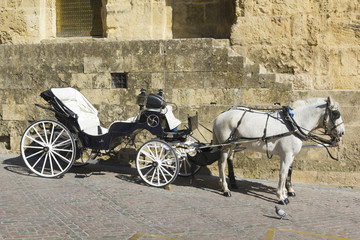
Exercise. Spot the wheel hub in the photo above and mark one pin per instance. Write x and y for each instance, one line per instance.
(157, 163)
(47, 148)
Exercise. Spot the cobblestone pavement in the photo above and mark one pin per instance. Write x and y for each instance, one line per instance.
(103, 202)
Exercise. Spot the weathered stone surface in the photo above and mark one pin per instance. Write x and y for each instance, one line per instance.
(198, 75)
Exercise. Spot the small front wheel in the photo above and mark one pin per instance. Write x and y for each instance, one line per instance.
(157, 163)
(48, 148)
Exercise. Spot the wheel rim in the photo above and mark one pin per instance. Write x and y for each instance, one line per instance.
(48, 148)
(187, 168)
(157, 163)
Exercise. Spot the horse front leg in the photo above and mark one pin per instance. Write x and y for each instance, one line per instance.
(222, 176)
(288, 184)
(286, 161)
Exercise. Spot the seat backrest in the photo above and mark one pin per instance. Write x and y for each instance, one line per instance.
(87, 114)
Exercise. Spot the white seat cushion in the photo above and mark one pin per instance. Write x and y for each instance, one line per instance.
(87, 114)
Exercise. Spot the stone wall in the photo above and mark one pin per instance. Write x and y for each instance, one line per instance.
(199, 75)
(27, 21)
(316, 40)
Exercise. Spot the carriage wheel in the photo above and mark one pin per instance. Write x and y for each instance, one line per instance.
(157, 163)
(48, 148)
(187, 168)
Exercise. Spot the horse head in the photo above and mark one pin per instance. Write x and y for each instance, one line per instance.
(332, 122)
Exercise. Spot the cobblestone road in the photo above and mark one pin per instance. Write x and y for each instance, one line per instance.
(103, 202)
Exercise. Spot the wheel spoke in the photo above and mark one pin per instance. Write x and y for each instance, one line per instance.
(52, 133)
(166, 171)
(151, 152)
(43, 167)
(62, 150)
(42, 155)
(62, 157)
(169, 166)
(34, 147)
(152, 178)
(145, 175)
(58, 136)
(38, 134)
(158, 176)
(151, 156)
(51, 164)
(146, 161)
(146, 166)
(34, 154)
(162, 173)
(56, 161)
(45, 133)
(62, 143)
(34, 140)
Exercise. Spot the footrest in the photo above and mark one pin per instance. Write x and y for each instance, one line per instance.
(92, 161)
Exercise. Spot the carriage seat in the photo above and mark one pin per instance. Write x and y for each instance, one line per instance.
(87, 114)
(88, 119)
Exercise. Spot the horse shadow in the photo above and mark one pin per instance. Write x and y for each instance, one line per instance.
(210, 183)
(203, 180)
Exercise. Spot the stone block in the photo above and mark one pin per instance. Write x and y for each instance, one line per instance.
(321, 60)
(261, 30)
(102, 80)
(203, 96)
(102, 96)
(349, 61)
(266, 97)
(18, 112)
(158, 80)
(81, 80)
(94, 65)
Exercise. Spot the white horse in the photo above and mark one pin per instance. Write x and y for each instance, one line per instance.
(272, 133)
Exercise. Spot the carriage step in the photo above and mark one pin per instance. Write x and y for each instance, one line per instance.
(92, 161)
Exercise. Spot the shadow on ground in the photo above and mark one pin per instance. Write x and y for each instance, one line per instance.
(205, 182)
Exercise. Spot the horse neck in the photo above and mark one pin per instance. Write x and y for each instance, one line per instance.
(309, 117)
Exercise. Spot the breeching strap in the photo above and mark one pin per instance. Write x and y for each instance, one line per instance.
(264, 137)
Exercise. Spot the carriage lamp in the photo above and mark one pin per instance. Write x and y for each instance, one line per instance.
(141, 99)
(161, 92)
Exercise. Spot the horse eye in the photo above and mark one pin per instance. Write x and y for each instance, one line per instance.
(335, 114)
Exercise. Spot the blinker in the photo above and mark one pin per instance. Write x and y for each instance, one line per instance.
(335, 115)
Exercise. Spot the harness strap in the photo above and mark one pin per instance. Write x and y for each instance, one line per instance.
(230, 138)
(264, 137)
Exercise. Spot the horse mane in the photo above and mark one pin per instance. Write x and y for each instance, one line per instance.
(310, 101)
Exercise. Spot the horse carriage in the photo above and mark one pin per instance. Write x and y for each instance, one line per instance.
(51, 147)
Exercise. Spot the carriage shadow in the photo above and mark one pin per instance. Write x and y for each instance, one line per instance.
(203, 181)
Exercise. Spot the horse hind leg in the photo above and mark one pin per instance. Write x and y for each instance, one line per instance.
(231, 171)
(222, 166)
(288, 184)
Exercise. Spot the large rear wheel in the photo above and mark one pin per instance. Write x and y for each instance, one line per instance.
(48, 148)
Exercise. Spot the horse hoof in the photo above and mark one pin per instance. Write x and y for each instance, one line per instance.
(284, 202)
(291, 194)
(227, 194)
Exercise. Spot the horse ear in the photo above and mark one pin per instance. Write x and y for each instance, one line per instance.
(331, 102)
